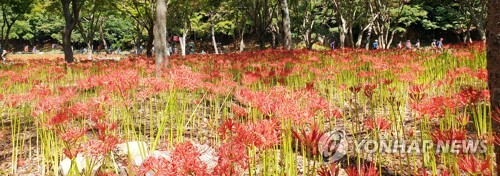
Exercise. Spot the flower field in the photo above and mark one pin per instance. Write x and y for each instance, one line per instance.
(257, 113)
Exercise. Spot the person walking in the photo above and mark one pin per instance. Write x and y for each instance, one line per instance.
(332, 45)
(26, 48)
(439, 44)
(99, 49)
(400, 45)
(34, 49)
(408, 44)
(417, 45)
(3, 54)
(375, 45)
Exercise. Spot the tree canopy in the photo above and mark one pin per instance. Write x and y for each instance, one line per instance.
(129, 23)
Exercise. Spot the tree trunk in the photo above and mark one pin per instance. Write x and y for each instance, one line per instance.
(160, 36)
(273, 39)
(151, 37)
(70, 18)
(214, 42)
(138, 39)
(286, 25)
(368, 38)
(89, 50)
(101, 34)
(183, 43)
(360, 38)
(343, 32)
(68, 51)
(493, 65)
(351, 36)
(242, 40)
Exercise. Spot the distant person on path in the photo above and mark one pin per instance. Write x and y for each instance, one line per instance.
(118, 51)
(26, 48)
(400, 45)
(34, 49)
(417, 45)
(140, 49)
(439, 44)
(375, 45)
(408, 44)
(332, 45)
(99, 49)
(3, 54)
(433, 44)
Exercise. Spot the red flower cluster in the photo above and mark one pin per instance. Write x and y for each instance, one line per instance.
(379, 123)
(184, 160)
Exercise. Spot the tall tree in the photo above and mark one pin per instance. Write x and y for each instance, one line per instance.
(160, 33)
(11, 12)
(493, 64)
(261, 12)
(91, 17)
(71, 17)
(476, 11)
(142, 11)
(286, 24)
(182, 11)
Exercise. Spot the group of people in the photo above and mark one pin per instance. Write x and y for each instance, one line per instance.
(436, 44)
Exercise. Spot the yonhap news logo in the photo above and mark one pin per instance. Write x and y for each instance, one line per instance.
(334, 146)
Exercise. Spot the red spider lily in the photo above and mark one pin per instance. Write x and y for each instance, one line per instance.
(368, 90)
(103, 127)
(50, 104)
(228, 126)
(482, 75)
(387, 81)
(71, 153)
(379, 123)
(469, 96)
(58, 119)
(463, 119)
(267, 133)
(366, 74)
(262, 134)
(309, 140)
(449, 135)
(87, 110)
(239, 111)
(473, 166)
(233, 159)
(93, 148)
(41, 91)
(250, 78)
(71, 135)
(417, 93)
(109, 142)
(331, 112)
(333, 170)
(355, 89)
(364, 170)
(435, 107)
(158, 166)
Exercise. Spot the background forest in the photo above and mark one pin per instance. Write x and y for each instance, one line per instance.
(236, 25)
